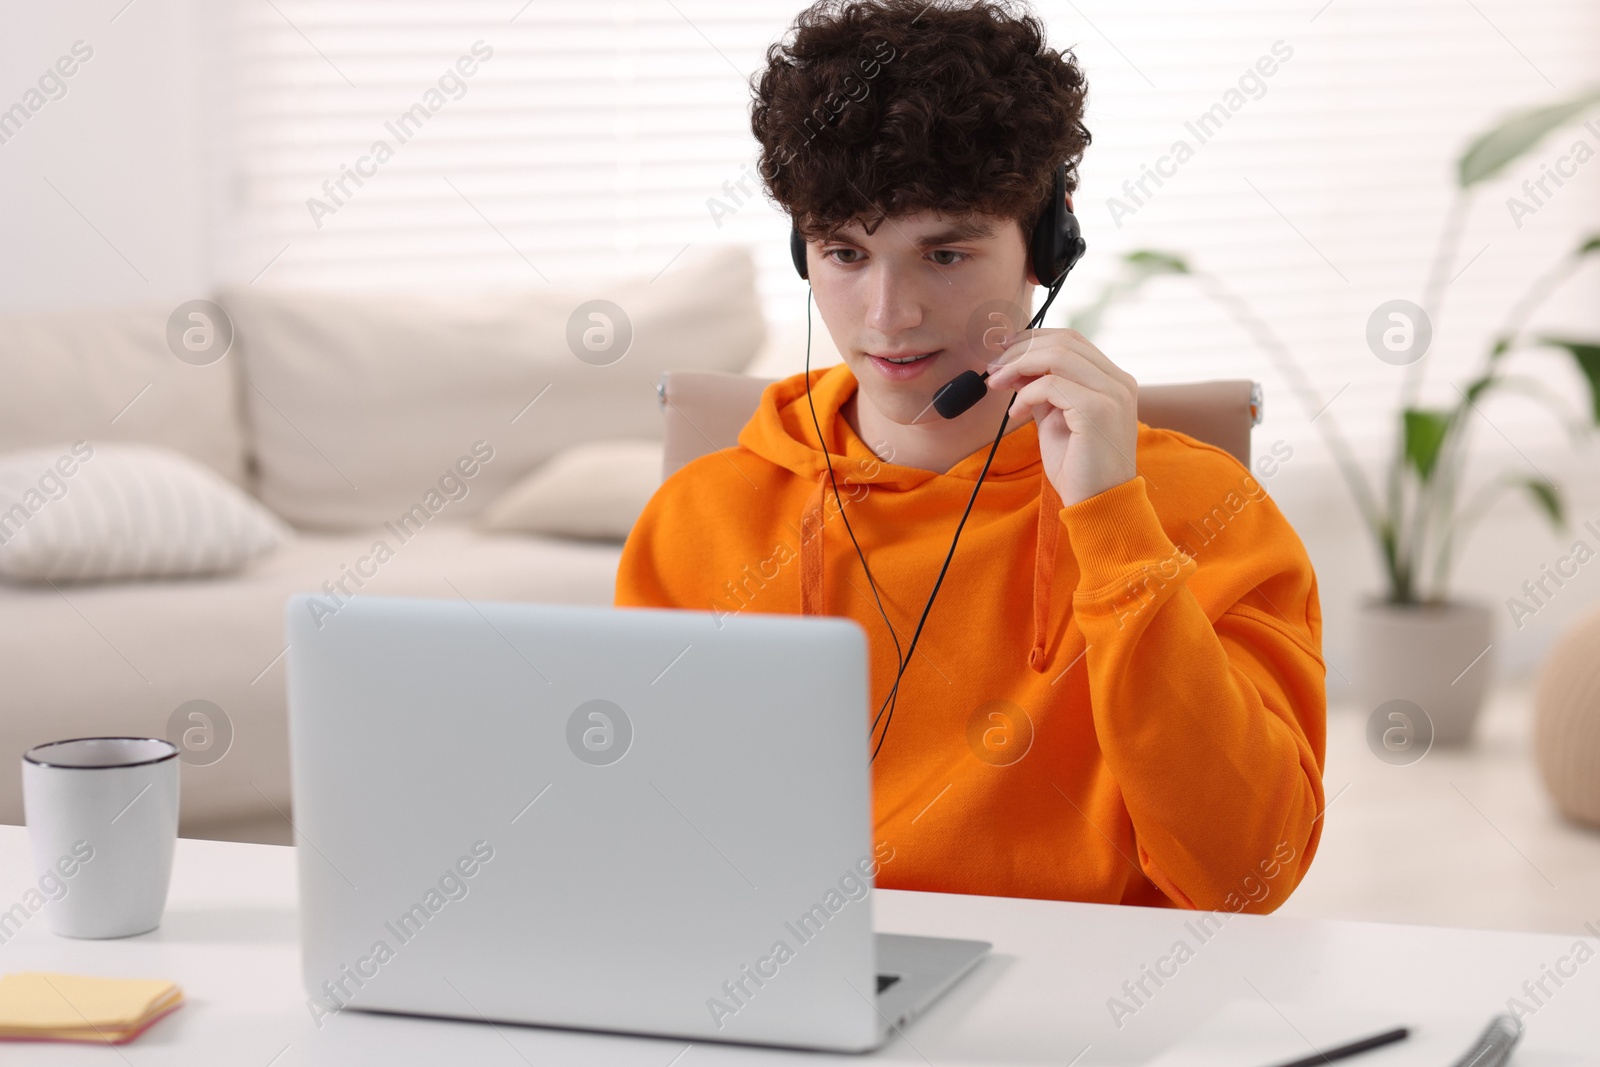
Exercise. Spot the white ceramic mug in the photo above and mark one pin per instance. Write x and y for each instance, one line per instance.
(102, 815)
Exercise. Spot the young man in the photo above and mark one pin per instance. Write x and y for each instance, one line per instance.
(1118, 694)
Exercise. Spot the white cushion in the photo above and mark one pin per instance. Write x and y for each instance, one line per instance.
(108, 375)
(359, 402)
(594, 491)
(83, 512)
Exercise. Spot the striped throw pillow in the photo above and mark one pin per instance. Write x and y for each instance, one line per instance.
(87, 512)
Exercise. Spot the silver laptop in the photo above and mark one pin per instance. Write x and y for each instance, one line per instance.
(631, 820)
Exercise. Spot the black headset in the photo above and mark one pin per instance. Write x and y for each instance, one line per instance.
(1054, 248)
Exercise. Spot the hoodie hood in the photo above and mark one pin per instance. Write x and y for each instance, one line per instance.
(782, 432)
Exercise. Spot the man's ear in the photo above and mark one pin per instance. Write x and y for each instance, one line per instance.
(1027, 258)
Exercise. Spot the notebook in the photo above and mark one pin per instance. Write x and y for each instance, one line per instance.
(1253, 1033)
(45, 1006)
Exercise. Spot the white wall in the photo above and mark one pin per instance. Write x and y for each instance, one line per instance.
(127, 149)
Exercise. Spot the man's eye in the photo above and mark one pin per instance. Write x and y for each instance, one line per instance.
(949, 252)
(835, 251)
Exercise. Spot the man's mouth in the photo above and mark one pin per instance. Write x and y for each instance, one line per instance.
(902, 366)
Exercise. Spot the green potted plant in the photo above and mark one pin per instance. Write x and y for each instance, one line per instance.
(1419, 648)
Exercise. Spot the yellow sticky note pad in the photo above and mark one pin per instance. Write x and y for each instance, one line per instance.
(45, 1006)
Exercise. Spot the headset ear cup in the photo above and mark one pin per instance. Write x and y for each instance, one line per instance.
(797, 249)
(1075, 244)
(1056, 244)
(1046, 244)
(1040, 250)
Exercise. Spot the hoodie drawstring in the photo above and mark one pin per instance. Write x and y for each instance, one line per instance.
(811, 589)
(1044, 568)
(1047, 538)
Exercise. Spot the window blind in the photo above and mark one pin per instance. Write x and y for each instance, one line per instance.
(607, 135)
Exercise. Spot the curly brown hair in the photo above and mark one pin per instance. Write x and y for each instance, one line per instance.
(879, 108)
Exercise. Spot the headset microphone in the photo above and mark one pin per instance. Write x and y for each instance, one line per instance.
(960, 393)
(1054, 248)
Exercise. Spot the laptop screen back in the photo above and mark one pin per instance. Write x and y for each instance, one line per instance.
(621, 819)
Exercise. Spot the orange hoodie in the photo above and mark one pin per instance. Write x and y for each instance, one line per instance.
(1120, 701)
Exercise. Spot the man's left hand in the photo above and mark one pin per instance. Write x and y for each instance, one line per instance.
(1085, 406)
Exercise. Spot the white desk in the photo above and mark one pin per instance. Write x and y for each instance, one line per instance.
(229, 940)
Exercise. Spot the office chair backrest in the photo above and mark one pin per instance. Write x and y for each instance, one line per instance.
(705, 410)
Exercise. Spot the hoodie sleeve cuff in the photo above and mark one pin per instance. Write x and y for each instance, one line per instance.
(1115, 534)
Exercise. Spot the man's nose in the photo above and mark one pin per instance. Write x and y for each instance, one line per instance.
(895, 302)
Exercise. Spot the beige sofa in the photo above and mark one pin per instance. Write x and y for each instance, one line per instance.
(338, 412)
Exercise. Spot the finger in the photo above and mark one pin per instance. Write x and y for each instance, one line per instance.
(1067, 363)
(1084, 408)
(1024, 353)
(1033, 401)
(1010, 381)
(1032, 352)
(1046, 392)
(1014, 346)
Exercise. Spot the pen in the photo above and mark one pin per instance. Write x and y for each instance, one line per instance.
(1388, 1037)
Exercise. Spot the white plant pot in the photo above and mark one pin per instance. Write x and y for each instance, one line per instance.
(1430, 655)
